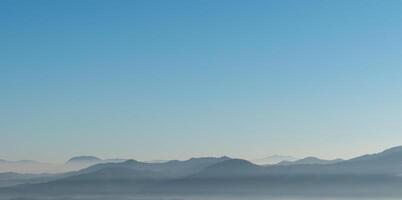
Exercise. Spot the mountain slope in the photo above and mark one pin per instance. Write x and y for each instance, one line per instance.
(172, 168)
(111, 174)
(229, 169)
(126, 177)
(388, 162)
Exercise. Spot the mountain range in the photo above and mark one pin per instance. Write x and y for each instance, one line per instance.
(368, 175)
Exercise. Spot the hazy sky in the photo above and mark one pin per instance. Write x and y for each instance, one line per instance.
(175, 79)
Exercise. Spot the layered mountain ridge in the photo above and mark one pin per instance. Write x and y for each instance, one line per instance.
(357, 176)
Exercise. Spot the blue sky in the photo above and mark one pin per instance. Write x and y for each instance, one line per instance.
(176, 79)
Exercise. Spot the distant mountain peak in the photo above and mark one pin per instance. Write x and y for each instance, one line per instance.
(311, 158)
(310, 161)
(274, 159)
(131, 161)
(83, 159)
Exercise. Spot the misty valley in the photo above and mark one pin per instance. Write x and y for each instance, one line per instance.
(375, 176)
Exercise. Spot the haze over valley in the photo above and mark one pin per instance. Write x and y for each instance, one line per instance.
(377, 175)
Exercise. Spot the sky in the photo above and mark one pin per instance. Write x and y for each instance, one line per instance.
(177, 79)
